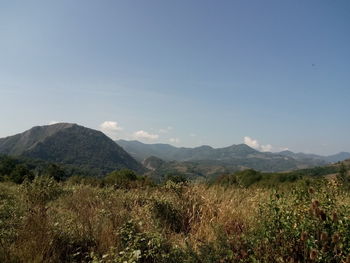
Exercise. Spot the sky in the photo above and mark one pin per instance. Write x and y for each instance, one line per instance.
(272, 74)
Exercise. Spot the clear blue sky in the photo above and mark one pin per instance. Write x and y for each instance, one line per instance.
(193, 72)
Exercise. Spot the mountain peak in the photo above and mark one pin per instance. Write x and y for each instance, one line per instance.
(69, 143)
(61, 125)
(204, 147)
(242, 147)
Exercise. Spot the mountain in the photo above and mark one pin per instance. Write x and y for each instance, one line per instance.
(153, 163)
(141, 151)
(70, 144)
(338, 157)
(329, 159)
(300, 155)
(234, 157)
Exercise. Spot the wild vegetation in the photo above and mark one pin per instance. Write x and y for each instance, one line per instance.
(127, 218)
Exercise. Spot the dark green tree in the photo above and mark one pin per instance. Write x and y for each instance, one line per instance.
(20, 173)
(176, 178)
(343, 175)
(121, 178)
(56, 172)
(7, 165)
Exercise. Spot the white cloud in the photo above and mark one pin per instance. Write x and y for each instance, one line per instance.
(193, 134)
(266, 148)
(110, 128)
(251, 142)
(174, 140)
(145, 135)
(256, 145)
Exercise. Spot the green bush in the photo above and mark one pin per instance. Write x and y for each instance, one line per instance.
(179, 178)
(121, 179)
(40, 191)
(11, 214)
(168, 216)
(138, 247)
(305, 226)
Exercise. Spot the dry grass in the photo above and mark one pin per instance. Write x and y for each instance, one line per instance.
(80, 219)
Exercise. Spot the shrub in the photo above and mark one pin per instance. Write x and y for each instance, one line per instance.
(41, 190)
(85, 180)
(47, 221)
(168, 216)
(248, 177)
(176, 178)
(343, 176)
(121, 179)
(11, 213)
(299, 227)
(138, 247)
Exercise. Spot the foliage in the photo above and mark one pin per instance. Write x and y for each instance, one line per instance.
(19, 169)
(138, 247)
(10, 220)
(169, 216)
(343, 176)
(41, 190)
(251, 177)
(176, 178)
(13, 170)
(124, 178)
(303, 226)
(91, 221)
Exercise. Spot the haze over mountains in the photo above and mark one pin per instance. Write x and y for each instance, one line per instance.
(329, 158)
(76, 145)
(205, 161)
(141, 151)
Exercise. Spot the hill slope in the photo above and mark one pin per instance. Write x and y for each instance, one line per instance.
(201, 160)
(141, 151)
(329, 159)
(69, 144)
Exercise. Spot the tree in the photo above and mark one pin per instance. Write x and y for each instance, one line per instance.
(7, 165)
(56, 172)
(20, 173)
(343, 174)
(176, 178)
(121, 178)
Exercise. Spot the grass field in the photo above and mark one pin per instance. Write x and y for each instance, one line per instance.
(46, 221)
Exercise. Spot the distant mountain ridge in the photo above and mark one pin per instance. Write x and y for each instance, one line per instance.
(81, 147)
(329, 159)
(234, 157)
(71, 144)
(167, 152)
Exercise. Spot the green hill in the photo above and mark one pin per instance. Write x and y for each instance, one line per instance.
(70, 144)
(231, 158)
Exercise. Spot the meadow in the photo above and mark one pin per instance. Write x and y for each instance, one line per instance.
(80, 221)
